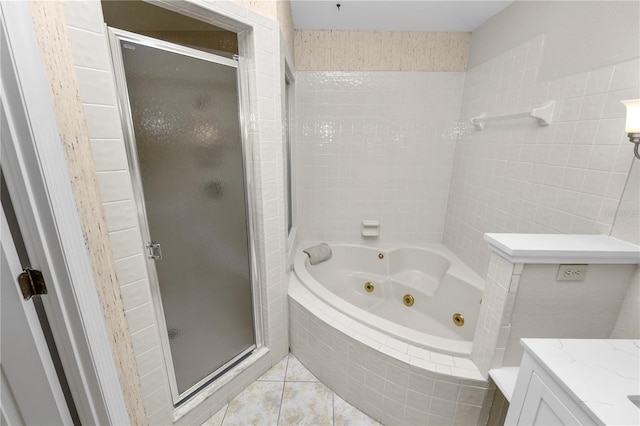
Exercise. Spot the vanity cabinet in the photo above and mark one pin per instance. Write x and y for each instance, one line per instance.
(576, 382)
(538, 400)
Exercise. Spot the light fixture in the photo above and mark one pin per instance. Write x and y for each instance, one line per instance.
(632, 126)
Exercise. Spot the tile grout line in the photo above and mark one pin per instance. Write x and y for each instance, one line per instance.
(333, 408)
(226, 410)
(284, 381)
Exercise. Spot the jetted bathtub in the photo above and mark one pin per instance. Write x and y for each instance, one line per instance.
(423, 295)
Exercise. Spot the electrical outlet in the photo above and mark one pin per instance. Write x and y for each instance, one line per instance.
(571, 272)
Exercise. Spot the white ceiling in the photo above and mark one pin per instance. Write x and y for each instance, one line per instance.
(398, 15)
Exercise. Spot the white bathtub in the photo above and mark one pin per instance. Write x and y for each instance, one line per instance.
(439, 282)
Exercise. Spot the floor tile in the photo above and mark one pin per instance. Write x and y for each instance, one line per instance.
(286, 395)
(296, 372)
(216, 419)
(345, 414)
(259, 404)
(306, 404)
(277, 372)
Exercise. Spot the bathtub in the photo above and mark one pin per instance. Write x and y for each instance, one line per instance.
(370, 285)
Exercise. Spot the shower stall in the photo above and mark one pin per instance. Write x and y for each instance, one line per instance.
(182, 116)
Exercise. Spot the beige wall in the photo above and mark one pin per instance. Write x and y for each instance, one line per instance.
(380, 51)
(285, 21)
(277, 10)
(49, 21)
(571, 44)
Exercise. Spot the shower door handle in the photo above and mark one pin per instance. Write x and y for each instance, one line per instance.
(155, 252)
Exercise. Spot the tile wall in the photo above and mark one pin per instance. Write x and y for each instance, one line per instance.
(517, 177)
(526, 300)
(374, 145)
(544, 307)
(494, 320)
(97, 92)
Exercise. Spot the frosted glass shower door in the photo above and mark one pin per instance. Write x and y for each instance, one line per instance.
(184, 112)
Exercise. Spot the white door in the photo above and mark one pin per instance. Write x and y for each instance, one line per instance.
(30, 393)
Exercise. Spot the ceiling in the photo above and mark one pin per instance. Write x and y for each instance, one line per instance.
(399, 15)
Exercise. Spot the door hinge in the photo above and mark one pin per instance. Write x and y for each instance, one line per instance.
(31, 283)
(155, 251)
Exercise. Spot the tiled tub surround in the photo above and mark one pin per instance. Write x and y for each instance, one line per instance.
(389, 380)
(374, 145)
(439, 284)
(515, 176)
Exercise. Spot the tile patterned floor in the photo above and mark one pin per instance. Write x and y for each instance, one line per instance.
(289, 394)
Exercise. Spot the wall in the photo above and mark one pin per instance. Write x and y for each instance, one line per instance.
(515, 176)
(548, 308)
(581, 35)
(627, 227)
(374, 145)
(527, 301)
(92, 64)
(278, 11)
(380, 51)
(49, 23)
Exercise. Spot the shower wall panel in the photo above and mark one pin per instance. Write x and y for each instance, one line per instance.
(97, 93)
(374, 145)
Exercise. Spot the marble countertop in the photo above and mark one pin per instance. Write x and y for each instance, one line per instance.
(597, 373)
(563, 248)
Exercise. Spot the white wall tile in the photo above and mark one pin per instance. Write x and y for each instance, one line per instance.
(86, 15)
(89, 49)
(96, 86)
(140, 317)
(625, 76)
(131, 269)
(570, 163)
(374, 146)
(109, 154)
(120, 215)
(144, 339)
(152, 382)
(135, 294)
(125, 243)
(114, 186)
(101, 120)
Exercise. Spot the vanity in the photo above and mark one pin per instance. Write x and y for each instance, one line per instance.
(577, 382)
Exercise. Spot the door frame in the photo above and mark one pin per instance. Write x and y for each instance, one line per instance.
(115, 35)
(36, 172)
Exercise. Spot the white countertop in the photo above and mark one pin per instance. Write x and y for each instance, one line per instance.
(563, 248)
(505, 379)
(597, 373)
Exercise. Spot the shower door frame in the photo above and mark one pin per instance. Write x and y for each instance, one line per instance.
(115, 36)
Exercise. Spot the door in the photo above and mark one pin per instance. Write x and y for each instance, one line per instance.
(30, 390)
(185, 149)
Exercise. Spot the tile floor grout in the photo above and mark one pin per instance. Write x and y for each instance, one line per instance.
(303, 400)
(286, 367)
